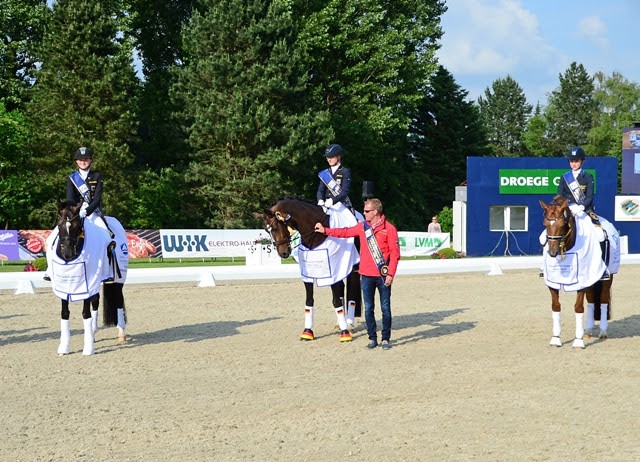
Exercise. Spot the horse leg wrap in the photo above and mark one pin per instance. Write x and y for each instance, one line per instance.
(88, 338)
(94, 321)
(557, 327)
(342, 321)
(121, 325)
(579, 325)
(308, 317)
(604, 308)
(351, 312)
(65, 334)
(590, 319)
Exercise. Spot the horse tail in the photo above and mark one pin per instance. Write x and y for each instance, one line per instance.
(113, 298)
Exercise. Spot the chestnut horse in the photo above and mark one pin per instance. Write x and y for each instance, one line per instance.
(81, 256)
(299, 215)
(561, 249)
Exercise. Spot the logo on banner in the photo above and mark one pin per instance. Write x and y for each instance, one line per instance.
(188, 243)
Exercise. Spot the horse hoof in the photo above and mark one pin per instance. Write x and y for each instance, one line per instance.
(578, 343)
(603, 335)
(345, 336)
(555, 341)
(307, 334)
(122, 338)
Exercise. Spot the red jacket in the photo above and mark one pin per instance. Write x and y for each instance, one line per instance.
(387, 238)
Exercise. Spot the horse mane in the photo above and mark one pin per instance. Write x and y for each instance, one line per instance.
(294, 198)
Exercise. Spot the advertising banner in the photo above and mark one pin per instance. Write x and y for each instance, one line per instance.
(627, 208)
(534, 181)
(422, 244)
(9, 249)
(188, 243)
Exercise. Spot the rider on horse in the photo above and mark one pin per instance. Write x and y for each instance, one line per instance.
(335, 181)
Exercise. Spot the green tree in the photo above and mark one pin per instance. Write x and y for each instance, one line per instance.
(618, 106)
(15, 179)
(22, 25)
(370, 63)
(505, 112)
(85, 95)
(535, 138)
(446, 130)
(571, 109)
(156, 26)
(243, 86)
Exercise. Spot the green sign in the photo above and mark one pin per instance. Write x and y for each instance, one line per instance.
(533, 181)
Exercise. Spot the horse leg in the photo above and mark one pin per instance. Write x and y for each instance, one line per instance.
(95, 303)
(578, 341)
(605, 300)
(354, 297)
(555, 317)
(113, 309)
(337, 291)
(307, 333)
(590, 328)
(65, 329)
(87, 322)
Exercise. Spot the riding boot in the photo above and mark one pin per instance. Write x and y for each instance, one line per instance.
(65, 334)
(89, 339)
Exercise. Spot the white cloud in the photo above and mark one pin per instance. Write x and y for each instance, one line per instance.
(593, 29)
(493, 38)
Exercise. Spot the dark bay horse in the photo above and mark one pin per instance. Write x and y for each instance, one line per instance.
(289, 215)
(81, 255)
(561, 249)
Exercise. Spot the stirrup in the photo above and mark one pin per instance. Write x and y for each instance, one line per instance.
(307, 334)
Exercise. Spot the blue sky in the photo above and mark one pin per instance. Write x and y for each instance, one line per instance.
(534, 41)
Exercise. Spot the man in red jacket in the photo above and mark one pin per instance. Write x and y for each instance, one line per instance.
(379, 255)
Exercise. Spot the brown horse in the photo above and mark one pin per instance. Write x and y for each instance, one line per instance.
(299, 215)
(561, 232)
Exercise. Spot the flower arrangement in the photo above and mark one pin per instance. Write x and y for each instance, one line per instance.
(447, 253)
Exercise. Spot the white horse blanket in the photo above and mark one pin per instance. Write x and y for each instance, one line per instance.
(333, 260)
(583, 265)
(81, 277)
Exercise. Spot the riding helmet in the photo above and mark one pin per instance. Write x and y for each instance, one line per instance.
(83, 153)
(576, 153)
(333, 150)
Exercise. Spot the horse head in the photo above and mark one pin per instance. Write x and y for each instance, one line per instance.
(70, 229)
(559, 224)
(277, 227)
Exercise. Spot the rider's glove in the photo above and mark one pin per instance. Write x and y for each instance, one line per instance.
(328, 203)
(576, 209)
(83, 210)
(320, 202)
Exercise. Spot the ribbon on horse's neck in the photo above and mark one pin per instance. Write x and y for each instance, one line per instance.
(566, 234)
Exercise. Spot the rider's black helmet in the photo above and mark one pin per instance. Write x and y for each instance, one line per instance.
(83, 153)
(333, 150)
(576, 153)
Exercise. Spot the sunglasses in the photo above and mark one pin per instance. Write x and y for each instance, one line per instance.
(367, 211)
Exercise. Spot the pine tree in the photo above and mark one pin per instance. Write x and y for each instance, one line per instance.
(505, 113)
(446, 130)
(244, 90)
(85, 95)
(571, 109)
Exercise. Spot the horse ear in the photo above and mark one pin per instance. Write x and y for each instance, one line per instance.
(542, 204)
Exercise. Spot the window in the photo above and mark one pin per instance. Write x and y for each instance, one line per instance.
(508, 218)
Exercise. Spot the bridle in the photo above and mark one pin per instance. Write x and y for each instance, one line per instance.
(72, 242)
(285, 219)
(562, 238)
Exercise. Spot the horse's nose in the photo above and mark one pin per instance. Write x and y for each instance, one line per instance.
(553, 252)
